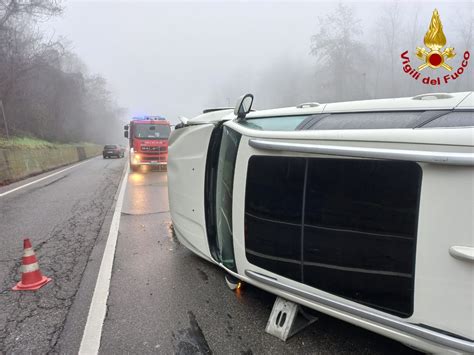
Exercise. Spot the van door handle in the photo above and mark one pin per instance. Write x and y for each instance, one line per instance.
(462, 253)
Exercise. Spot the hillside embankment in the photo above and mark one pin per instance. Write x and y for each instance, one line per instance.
(23, 157)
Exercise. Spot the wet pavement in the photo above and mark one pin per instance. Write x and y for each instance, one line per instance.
(164, 299)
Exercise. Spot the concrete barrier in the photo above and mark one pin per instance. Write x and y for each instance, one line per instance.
(16, 163)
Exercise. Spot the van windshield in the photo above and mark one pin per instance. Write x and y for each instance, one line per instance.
(149, 131)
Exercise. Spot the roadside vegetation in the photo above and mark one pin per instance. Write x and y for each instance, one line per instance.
(33, 143)
(45, 89)
(24, 142)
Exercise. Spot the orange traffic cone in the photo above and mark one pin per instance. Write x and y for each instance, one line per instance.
(31, 276)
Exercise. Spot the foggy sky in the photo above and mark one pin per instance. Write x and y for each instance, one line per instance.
(177, 58)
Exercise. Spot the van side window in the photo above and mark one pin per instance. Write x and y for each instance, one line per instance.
(358, 120)
(360, 230)
(273, 214)
(453, 119)
(345, 226)
(373, 120)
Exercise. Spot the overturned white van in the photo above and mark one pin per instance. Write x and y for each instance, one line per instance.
(361, 210)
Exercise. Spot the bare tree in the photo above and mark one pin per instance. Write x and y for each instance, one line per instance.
(391, 30)
(21, 45)
(12, 10)
(341, 56)
(45, 88)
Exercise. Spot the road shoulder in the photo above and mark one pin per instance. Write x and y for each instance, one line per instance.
(71, 336)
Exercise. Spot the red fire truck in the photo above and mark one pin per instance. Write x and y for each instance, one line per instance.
(148, 138)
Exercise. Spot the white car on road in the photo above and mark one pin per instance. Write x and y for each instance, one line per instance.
(361, 210)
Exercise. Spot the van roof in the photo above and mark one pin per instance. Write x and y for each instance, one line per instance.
(431, 101)
(423, 102)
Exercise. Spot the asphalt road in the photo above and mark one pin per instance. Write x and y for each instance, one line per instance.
(63, 216)
(163, 299)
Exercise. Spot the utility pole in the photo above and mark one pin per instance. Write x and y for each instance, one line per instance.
(4, 119)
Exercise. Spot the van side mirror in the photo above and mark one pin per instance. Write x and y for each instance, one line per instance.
(125, 134)
(125, 127)
(243, 106)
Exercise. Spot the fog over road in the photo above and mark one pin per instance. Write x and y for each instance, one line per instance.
(163, 299)
(72, 76)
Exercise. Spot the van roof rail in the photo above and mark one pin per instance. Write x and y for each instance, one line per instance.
(432, 96)
(207, 110)
(308, 104)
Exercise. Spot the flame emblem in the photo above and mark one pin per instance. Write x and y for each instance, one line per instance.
(435, 40)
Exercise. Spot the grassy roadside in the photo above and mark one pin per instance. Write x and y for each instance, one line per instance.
(21, 157)
(33, 143)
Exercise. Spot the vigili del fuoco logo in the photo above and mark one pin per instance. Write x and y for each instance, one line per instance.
(435, 57)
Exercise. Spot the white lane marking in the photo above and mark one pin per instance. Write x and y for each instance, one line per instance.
(90, 343)
(41, 179)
